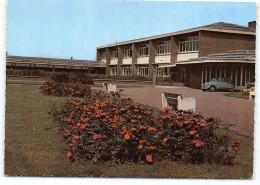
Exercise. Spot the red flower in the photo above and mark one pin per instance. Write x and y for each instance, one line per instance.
(75, 137)
(149, 158)
(140, 146)
(127, 137)
(192, 132)
(165, 140)
(69, 155)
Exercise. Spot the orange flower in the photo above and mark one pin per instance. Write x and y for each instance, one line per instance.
(152, 148)
(149, 158)
(75, 137)
(122, 109)
(58, 142)
(196, 135)
(203, 124)
(140, 146)
(192, 132)
(99, 148)
(197, 144)
(165, 140)
(133, 128)
(69, 155)
(127, 137)
(133, 121)
(151, 129)
(96, 136)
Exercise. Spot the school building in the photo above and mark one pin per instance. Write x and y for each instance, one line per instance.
(191, 56)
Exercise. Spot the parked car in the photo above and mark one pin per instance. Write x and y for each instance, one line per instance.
(219, 83)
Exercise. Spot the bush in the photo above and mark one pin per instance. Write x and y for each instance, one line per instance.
(163, 79)
(72, 78)
(27, 72)
(65, 89)
(105, 128)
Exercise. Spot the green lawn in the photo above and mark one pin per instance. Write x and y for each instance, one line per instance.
(237, 95)
(31, 146)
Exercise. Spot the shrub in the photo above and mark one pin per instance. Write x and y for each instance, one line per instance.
(163, 79)
(65, 89)
(105, 128)
(60, 77)
(82, 78)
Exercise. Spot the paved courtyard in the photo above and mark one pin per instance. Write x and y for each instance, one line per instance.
(236, 113)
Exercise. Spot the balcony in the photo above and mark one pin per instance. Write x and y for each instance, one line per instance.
(187, 56)
(114, 61)
(127, 60)
(163, 59)
(143, 60)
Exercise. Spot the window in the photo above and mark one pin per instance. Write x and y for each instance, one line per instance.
(128, 52)
(103, 55)
(142, 70)
(144, 50)
(113, 70)
(127, 70)
(114, 54)
(163, 71)
(189, 44)
(164, 47)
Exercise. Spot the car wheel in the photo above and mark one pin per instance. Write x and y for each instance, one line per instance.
(212, 88)
(231, 90)
(203, 89)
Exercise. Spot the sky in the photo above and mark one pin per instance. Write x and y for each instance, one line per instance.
(65, 28)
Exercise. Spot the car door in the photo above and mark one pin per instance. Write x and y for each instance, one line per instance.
(221, 84)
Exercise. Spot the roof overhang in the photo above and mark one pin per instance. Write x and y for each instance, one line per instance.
(164, 66)
(216, 61)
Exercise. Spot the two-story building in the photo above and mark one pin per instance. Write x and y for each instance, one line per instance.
(181, 55)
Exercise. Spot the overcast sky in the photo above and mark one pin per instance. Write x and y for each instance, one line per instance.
(65, 28)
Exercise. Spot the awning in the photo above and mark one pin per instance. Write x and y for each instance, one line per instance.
(163, 66)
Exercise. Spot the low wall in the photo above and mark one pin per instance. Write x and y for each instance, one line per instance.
(100, 81)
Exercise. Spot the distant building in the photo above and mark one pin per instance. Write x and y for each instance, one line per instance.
(55, 64)
(188, 56)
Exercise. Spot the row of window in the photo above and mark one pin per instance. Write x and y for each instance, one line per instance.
(142, 70)
(127, 70)
(189, 44)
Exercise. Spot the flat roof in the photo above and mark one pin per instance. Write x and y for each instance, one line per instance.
(216, 27)
(54, 61)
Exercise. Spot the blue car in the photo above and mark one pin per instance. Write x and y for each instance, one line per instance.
(219, 83)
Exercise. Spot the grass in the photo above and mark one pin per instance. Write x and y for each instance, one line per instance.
(25, 82)
(237, 95)
(31, 146)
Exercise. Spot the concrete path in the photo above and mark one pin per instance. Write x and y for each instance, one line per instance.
(237, 113)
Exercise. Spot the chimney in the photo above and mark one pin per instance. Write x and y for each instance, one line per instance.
(71, 58)
(252, 24)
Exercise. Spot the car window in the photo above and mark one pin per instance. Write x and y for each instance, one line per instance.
(226, 80)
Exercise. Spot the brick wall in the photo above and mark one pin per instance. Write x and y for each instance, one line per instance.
(216, 42)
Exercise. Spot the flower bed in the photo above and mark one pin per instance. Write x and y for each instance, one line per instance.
(65, 89)
(107, 128)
